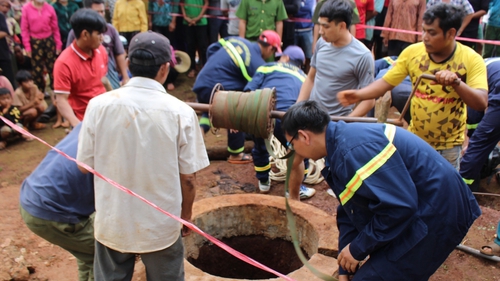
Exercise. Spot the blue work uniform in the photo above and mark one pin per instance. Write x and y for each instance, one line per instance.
(401, 202)
(487, 133)
(224, 67)
(287, 79)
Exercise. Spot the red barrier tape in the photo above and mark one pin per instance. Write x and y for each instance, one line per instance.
(126, 190)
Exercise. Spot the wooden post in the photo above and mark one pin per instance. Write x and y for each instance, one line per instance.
(382, 106)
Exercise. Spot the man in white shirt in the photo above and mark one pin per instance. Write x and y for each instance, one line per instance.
(150, 142)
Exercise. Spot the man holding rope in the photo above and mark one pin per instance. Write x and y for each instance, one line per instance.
(402, 207)
(150, 142)
(438, 109)
(287, 78)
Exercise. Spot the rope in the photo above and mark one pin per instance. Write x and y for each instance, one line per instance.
(248, 112)
(314, 171)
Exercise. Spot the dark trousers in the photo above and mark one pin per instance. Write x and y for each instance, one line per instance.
(129, 36)
(197, 39)
(6, 66)
(396, 47)
(377, 40)
(485, 138)
(43, 54)
(163, 30)
(179, 41)
(288, 34)
(216, 27)
(261, 156)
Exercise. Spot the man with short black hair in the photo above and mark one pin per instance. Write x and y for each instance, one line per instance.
(438, 109)
(403, 209)
(150, 142)
(111, 41)
(80, 67)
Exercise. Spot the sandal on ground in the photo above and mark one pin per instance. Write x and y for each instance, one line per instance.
(495, 249)
(38, 126)
(245, 159)
(3, 145)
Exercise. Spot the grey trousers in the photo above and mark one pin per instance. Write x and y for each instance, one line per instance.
(166, 264)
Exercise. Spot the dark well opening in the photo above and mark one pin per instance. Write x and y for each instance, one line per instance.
(277, 254)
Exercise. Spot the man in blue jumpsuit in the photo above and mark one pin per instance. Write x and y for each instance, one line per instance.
(286, 77)
(487, 133)
(232, 62)
(57, 204)
(402, 205)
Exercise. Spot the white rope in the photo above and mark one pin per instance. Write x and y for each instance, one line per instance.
(314, 171)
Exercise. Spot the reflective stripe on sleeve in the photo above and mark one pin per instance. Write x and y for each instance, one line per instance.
(371, 167)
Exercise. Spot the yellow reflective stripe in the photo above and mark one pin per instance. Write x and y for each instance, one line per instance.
(279, 68)
(205, 121)
(235, 55)
(263, 169)
(239, 150)
(389, 60)
(467, 181)
(472, 126)
(306, 171)
(371, 167)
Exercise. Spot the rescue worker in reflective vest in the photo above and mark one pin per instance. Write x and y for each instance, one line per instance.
(286, 77)
(232, 62)
(403, 208)
(487, 133)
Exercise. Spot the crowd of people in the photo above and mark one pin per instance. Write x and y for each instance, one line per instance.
(403, 194)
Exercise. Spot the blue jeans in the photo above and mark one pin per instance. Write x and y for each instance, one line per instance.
(304, 40)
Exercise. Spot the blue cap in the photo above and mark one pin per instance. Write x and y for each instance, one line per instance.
(294, 53)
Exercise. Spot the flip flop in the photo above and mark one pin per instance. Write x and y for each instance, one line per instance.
(245, 159)
(495, 249)
(38, 126)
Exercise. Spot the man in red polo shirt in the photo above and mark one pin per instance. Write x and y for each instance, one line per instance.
(79, 68)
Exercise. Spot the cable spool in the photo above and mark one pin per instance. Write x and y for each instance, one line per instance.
(248, 112)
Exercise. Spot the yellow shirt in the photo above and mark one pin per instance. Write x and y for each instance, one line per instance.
(438, 114)
(130, 16)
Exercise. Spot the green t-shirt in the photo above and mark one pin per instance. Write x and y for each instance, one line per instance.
(193, 9)
(260, 15)
(355, 13)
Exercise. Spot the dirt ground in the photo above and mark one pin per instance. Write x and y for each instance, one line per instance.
(24, 256)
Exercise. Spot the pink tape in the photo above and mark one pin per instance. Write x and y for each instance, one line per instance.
(126, 190)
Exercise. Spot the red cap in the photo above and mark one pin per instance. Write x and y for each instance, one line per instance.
(272, 38)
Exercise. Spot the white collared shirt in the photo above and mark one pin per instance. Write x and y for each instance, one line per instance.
(142, 138)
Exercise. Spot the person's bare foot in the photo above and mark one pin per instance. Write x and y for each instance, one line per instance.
(57, 124)
(65, 124)
(191, 73)
(3, 145)
(170, 87)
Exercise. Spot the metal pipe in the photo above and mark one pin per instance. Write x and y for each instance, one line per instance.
(477, 253)
(279, 114)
